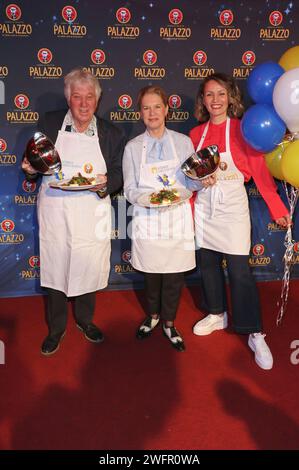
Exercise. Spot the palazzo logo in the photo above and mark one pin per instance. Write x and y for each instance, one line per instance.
(125, 112)
(175, 113)
(175, 30)
(7, 237)
(225, 31)
(13, 12)
(147, 71)
(124, 268)
(69, 28)
(45, 57)
(123, 29)
(27, 199)
(6, 159)
(7, 225)
(3, 71)
(14, 27)
(198, 71)
(275, 31)
(32, 272)
(22, 113)
(258, 259)
(248, 61)
(98, 67)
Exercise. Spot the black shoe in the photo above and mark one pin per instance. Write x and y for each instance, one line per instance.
(51, 344)
(91, 332)
(174, 337)
(146, 327)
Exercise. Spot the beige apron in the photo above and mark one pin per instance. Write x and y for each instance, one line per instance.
(162, 239)
(222, 221)
(75, 226)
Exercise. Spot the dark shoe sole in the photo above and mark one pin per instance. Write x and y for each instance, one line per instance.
(55, 350)
(89, 339)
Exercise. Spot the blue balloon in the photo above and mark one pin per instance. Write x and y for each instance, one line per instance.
(261, 81)
(262, 128)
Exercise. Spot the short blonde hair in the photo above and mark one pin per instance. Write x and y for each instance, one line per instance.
(79, 75)
(151, 89)
(235, 106)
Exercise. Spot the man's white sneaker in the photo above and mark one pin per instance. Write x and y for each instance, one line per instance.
(210, 323)
(262, 354)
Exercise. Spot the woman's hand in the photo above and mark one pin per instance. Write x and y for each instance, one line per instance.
(284, 221)
(209, 181)
(28, 168)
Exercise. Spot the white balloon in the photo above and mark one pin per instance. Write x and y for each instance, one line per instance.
(286, 98)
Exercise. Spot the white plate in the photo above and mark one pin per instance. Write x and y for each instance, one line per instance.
(144, 199)
(63, 185)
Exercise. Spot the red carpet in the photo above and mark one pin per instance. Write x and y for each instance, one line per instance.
(127, 394)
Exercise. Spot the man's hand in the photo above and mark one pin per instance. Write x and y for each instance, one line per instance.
(101, 183)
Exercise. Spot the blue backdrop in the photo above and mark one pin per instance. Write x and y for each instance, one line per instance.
(127, 45)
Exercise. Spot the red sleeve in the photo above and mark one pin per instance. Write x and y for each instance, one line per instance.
(195, 135)
(266, 185)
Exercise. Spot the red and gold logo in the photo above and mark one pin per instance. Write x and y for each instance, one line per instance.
(248, 58)
(3, 145)
(200, 57)
(21, 101)
(275, 18)
(175, 16)
(29, 186)
(150, 57)
(88, 168)
(126, 256)
(34, 262)
(13, 12)
(226, 17)
(7, 225)
(174, 101)
(125, 101)
(98, 56)
(123, 15)
(258, 249)
(69, 14)
(45, 56)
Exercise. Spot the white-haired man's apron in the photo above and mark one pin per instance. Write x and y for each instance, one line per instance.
(222, 221)
(162, 239)
(75, 226)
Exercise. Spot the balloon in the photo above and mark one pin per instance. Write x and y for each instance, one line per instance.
(290, 59)
(290, 164)
(286, 98)
(261, 81)
(273, 160)
(262, 128)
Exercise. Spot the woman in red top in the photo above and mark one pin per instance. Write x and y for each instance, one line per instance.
(222, 220)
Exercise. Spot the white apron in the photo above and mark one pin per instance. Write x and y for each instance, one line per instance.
(75, 226)
(162, 239)
(222, 221)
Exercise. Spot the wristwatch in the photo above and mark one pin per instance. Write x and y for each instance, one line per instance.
(102, 192)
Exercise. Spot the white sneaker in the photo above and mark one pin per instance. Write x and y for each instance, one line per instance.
(262, 354)
(210, 323)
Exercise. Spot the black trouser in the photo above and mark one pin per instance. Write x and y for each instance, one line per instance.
(163, 293)
(244, 295)
(57, 310)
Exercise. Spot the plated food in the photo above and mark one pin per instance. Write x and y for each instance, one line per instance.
(79, 180)
(165, 196)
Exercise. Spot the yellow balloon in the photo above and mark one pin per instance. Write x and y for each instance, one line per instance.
(290, 164)
(290, 59)
(273, 160)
